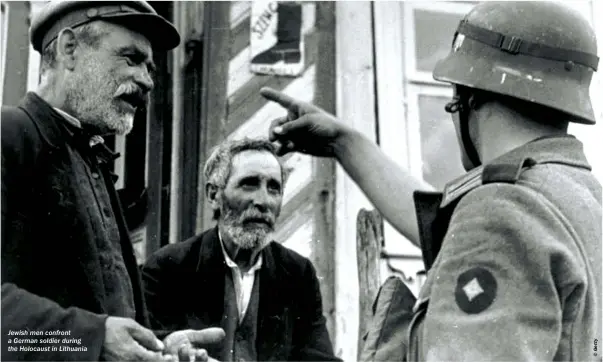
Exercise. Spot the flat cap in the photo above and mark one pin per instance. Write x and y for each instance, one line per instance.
(137, 16)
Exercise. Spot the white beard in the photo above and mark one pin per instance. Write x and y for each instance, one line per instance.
(247, 238)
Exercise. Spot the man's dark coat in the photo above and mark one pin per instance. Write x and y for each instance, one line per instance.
(184, 288)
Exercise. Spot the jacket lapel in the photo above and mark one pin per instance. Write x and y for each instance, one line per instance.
(209, 279)
(274, 335)
(55, 134)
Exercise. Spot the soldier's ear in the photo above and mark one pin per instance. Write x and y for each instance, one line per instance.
(66, 46)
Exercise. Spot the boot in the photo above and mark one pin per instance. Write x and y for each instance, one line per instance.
(286, 56)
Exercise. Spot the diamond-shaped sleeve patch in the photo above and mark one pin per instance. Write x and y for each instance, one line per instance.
(475, 290)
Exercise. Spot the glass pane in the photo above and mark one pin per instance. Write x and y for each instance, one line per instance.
(434, 31)
(439, 145)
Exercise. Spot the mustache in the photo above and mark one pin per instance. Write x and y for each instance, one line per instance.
(131, 92)
(253, 214)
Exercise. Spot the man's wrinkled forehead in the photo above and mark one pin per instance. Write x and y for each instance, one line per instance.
(252, 161)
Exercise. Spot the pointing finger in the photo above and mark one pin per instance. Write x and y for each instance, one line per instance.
(279, 97)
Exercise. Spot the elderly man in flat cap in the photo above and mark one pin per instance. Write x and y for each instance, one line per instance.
(70, 283)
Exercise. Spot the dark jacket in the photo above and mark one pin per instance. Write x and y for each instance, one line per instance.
(184, 288)
(51, 275)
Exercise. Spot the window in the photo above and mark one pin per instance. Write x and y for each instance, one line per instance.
(434, 149)
(440, 152)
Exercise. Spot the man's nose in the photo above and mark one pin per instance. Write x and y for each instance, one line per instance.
(144, 80)
(263, 200)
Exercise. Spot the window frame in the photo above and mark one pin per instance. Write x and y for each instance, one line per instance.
(415, 91)
(448, 7)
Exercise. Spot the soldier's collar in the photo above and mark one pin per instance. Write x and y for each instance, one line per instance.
(507, 168)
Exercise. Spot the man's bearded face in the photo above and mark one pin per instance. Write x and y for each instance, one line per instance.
(107, 86)
(249, 228)
(251, 201)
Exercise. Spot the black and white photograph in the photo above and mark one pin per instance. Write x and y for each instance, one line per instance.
(241, 181)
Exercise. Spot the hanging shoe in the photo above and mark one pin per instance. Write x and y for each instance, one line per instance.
(286, 57)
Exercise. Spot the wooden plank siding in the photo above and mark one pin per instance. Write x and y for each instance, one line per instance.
(235, 109)
(15, 60)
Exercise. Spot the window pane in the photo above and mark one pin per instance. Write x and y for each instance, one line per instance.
(434, 31)
(439, 145)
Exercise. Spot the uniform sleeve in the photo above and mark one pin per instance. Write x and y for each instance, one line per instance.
(494, 295)
(311, 337)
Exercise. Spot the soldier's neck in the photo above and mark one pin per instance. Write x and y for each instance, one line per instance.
(501, 130)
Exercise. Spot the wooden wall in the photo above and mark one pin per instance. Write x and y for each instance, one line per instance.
(16, 54)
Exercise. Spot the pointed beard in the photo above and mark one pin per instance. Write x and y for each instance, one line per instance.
(247, 237)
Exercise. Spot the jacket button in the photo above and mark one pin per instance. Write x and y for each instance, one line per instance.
(95, 175)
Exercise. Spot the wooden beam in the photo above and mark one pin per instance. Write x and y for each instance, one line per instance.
(159, 140)
(325, 96)
(240, 37)
(215, 77)
(17, 52)
(356, 107)
(369, 241)
(295, 204)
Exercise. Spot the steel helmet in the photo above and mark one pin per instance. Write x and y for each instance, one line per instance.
(538, 51)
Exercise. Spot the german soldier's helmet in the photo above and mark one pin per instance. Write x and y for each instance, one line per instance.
(539, 51)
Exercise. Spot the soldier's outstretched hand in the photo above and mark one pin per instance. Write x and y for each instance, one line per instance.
(306, 128)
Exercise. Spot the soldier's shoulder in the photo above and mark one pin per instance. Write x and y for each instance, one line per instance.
(498, 172)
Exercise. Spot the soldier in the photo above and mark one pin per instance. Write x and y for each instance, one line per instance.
(513, 247)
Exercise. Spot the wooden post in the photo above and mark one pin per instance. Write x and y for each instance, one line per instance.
(323, 168)
(369, 241)
(14, 64)
(355, 75)
(214, 112)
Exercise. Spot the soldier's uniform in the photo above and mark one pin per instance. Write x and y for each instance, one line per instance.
(517, 274)
(513, 248)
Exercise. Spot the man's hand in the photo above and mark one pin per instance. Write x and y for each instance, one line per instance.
(126, 340)
(189, 344)
(307, 128)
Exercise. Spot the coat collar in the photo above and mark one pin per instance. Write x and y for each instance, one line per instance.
(48, 121)
(211, 266)
(508, 167)
(211, 258)
(55, 130)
